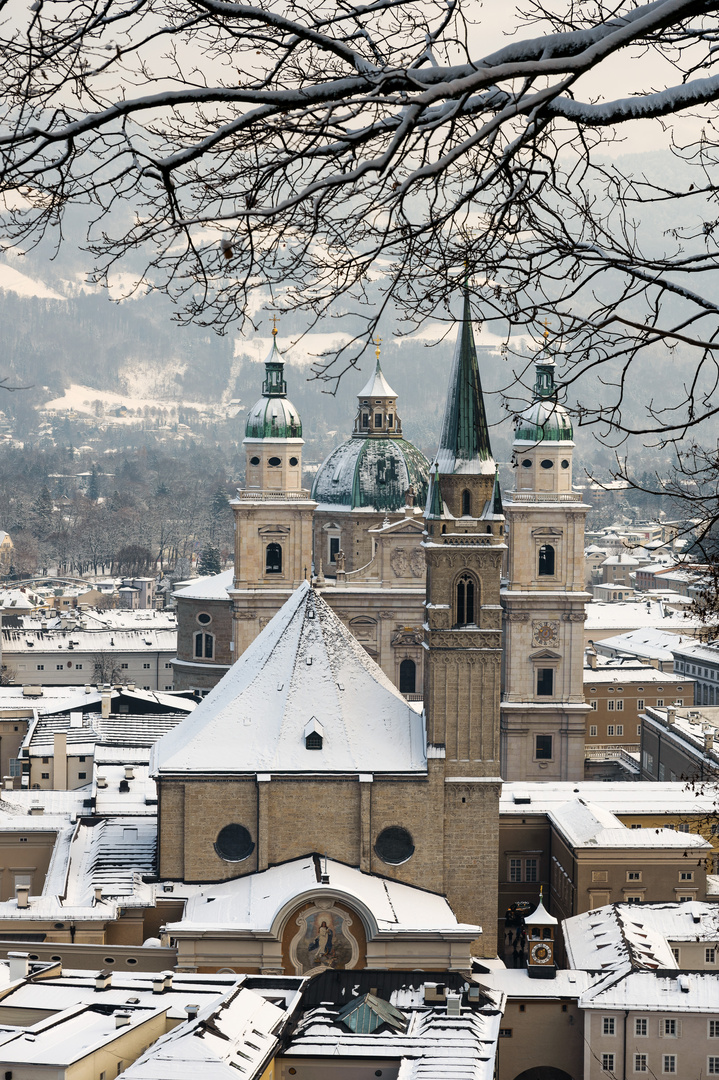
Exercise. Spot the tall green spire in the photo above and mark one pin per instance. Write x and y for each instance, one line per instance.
(464, 442)
(435, 503)
(497, 508)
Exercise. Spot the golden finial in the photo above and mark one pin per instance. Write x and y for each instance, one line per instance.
(378, 342)
(274, 326)
(546, 331)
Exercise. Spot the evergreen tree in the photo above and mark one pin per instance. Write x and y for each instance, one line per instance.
(209, 561)
(93, 488)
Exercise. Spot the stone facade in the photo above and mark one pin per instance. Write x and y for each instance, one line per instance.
(543, 710)
(197, 615)
(450, 809)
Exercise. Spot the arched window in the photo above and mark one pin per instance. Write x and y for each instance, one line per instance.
(546, 560)
(407, 677)
(204, 645)
(273, 559)
(465, 600)
(466, 504)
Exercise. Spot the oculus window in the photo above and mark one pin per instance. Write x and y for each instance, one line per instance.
(547, 463)
(234, 843)
(394, 845)
(543, 747)
(254, 461)
(275, 462)
(294, 461)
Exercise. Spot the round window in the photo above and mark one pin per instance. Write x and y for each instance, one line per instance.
(294, 461)
(204, 618)
(254, 460)
(547, 463)
(394, 845)
(234, 843)
(527, 463)
(274, 462)
(565, 463)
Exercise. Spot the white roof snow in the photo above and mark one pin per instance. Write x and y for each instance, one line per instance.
(253, 902)
(303, 666)
(213, 587)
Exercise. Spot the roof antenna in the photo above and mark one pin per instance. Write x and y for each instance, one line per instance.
(325, 877)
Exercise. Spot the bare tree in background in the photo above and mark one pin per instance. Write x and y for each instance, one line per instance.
(306, 151)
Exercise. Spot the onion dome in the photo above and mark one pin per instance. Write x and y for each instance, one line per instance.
(273, 416)
(545, 420)
(373, 469)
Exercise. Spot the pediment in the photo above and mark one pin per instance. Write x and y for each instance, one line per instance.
(545, 654)
(547, 530)
(274, 530)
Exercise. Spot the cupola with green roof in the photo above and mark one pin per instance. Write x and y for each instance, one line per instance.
(543, 437)
(273, 433)
(374, 469)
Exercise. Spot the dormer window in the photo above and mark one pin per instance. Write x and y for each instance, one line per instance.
(313, 734)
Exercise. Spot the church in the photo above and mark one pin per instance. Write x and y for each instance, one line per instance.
(310, 758)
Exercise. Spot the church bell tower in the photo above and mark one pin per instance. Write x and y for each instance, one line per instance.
(543, 710)
(273, 512)
(464, 546)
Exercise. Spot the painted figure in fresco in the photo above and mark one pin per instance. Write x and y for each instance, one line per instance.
(323, 944)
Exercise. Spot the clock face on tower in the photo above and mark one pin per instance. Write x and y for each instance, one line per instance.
(541, 953)
(545, 632)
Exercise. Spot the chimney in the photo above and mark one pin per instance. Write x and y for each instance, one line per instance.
(158, 983)
(106, 693)
(22, 894)
(671, 714)
(103, 980)
(122, 1019)
(192, 1011)
(60, 761)
(592, 658)
(98, 894)
(101, 782)
(37, 811)
(168, 979)
(19, 965)
(129, 772)
(454, 1004)
(8, 783)
(708, 740)
(88, 689)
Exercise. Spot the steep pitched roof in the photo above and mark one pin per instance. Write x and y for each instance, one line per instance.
(303, 666)
(377, 387)
(464, 445)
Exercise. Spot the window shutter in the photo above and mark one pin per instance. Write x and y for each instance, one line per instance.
(679, 1029)
(661, 1029)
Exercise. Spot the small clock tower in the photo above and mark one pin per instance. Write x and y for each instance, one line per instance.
(543, 714)
(541, 928)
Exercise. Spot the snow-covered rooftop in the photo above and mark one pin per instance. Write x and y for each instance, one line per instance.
(655, 798)
(305, 666)
(255, 902)
(638, 614)
(649, 642)
(585, 825)
(620, 937)
(212, 587)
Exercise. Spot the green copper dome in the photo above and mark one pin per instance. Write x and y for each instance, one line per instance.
(273, 416)
(545, 420)
(372, 474)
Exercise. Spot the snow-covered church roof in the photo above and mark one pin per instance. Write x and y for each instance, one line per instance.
(305, 669)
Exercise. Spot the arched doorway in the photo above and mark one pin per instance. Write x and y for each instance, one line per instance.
(544, 1072)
